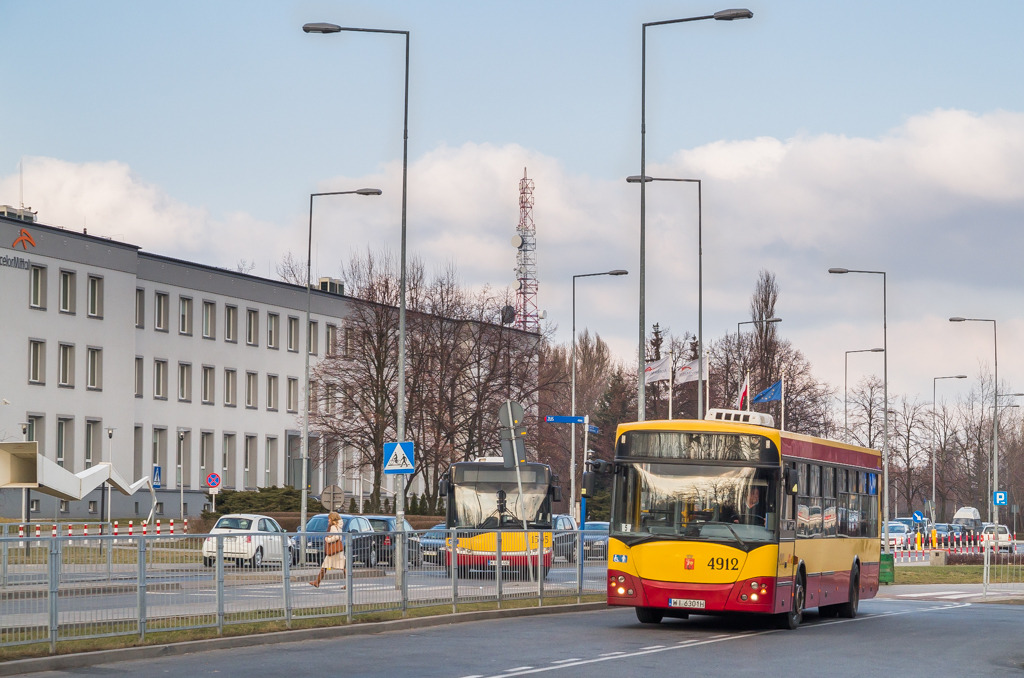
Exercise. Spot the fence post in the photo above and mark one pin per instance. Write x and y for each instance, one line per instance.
(142, 587)
(110, 552)
(579, 566)
(497, 566)
(453, 563)
(220, 583)
(286, 575)
(540, 569)
(5, 557)
(350, 594)
(54, 568)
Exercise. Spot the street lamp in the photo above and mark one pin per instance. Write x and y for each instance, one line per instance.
(642, 179)
(885, 397)
(846, 377)
(326, 28)
(572, 470)
(309, 347)
(724, 15)
(935, 435)
(993, 510)
(110, 460)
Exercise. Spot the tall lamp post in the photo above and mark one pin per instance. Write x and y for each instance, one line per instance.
(724, 15)
(400, 423)
(885, 397)
(309, 347)
(846, 379)
(993, 510)
(935, 433)
(641, 179)
(572, 470)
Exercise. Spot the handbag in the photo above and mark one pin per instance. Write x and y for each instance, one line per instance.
(333, 548)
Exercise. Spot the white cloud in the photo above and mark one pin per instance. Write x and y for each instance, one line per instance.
(936, 203)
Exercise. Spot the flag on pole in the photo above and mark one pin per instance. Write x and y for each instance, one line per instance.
(744, 394)
(658, 370)
(688, 372)
(773, 392)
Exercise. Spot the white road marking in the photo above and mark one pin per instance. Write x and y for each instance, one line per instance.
(519, 668)
(566, 661)
(923, 595)
(958, 596)
(652, 647)
(611, 654)
(475, 675)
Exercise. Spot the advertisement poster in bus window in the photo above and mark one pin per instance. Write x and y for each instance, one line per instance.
(872, 483)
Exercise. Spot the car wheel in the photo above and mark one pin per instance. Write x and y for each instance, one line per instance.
(791, 620)
(649, 615)
(294, 556)
(209, 562)
(239, 562)
(257, 558)
(849, 608)
(371, 560)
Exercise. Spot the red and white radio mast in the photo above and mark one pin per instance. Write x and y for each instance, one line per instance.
(525, 241)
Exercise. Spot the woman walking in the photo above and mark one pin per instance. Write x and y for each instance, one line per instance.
(334, 555)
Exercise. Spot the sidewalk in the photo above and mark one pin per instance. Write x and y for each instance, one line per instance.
(970, 593)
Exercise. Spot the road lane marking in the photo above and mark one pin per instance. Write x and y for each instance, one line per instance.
(565, 661)
(519, 668)
(652, 647)
(611, 654)
(924, 595)
(958, 596)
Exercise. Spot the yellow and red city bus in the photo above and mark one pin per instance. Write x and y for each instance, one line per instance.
(486, 508)
(726, 516)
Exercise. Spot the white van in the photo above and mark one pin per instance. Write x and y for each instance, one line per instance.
(969, 517)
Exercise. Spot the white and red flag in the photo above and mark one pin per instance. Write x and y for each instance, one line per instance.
(744, 394)
(658, 370)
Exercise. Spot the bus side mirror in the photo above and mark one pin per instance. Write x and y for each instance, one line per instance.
(442, 487)
(556, 493)
(792, 481)
(587, 490)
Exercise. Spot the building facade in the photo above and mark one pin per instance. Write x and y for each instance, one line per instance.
(166, 368)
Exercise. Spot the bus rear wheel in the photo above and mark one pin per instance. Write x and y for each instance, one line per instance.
(849, 608)
(649, 615)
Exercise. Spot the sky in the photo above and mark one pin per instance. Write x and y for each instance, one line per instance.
(869, 135)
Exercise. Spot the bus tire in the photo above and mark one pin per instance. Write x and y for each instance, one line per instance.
(649, 615)
(791, 620)
(848, 609)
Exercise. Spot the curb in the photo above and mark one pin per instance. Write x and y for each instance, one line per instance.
(19, 667)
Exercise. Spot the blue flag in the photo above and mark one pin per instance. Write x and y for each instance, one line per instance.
(773, 392)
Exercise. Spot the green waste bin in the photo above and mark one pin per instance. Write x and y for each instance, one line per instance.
(886, 569)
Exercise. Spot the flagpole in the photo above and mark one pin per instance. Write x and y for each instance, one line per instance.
(707, 386)
(783, 379)
(747, 386)
(671, 375)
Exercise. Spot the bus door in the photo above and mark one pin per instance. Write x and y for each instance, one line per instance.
(786, 566)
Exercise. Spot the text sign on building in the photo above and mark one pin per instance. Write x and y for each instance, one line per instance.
(399, 458)
(1000, 498)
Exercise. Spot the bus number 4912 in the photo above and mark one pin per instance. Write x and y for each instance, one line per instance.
(724, 563)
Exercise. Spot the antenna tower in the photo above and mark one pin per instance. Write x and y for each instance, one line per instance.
(525, 240)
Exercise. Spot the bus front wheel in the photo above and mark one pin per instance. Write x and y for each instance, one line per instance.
(648, 615)
(791, 620)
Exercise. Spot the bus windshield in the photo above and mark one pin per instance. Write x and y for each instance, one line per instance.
(488, 498)
(693, 501)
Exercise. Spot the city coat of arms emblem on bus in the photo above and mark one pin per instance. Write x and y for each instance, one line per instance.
(688, 563)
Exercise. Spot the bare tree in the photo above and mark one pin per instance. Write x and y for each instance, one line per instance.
(291, 270)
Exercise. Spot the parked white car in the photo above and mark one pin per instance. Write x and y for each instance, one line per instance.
(1002, 539)
(900, 536)
(254, 540)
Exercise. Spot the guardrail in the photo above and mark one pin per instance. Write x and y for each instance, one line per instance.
(61, 588)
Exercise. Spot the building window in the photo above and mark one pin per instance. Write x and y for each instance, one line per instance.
(293, 335)
(140, 308)
(37, 291)
(293, 394)
(346, 349)
(92, 441)
(35, 429)
(230, 388)
(273, 330)
(184, 382)
(94, 369)
(160, 379)
(332, 340)
(67, 292)
(159, 508)
(33, 505)
(92, 507)
(251, 389)
(67, 366)
(209, 320)
(272, 392)
(95, 297)
(313, 337)
(208, 385)
(227, 453)
(252, 327)
(36, 362)
(231, 323)
(250, 461)
(64, 428)
(160, 312)
(184, 316)
(268, 457)
(138, 376)
(205, 450)
(64, 506)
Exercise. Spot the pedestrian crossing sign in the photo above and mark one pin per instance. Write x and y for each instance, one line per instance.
(399, 458)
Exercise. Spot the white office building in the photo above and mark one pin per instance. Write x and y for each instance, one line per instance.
(196, 369)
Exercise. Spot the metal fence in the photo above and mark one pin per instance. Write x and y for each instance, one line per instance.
(61, 588)
(1004, 570)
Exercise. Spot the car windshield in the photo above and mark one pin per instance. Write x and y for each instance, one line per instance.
(897, 528)
(596, 527)
(488, 498)
(380, 524)
(233, 524)
(696, 501)
(321, 524)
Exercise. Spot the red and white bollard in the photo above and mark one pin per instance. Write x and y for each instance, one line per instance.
(131, 525)
(85, 529)
(172, 525)
(37, 531)
(69, 530)
(21, 530)
(54, 534)
(144, 526)
(185, 531)
(158, 526)
(115, 528)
